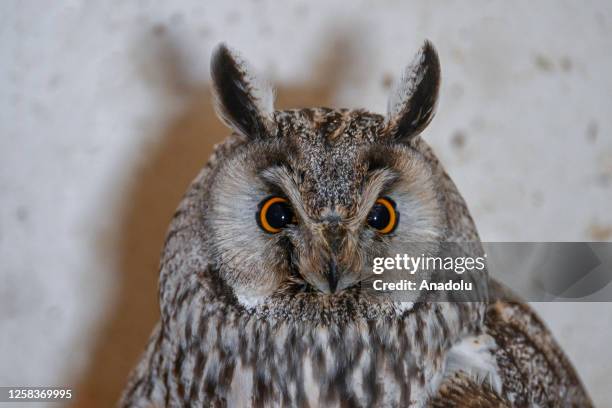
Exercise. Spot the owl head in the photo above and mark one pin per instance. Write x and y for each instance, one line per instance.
(305, 199)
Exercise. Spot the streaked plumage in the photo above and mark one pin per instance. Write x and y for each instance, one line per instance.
(250, 318)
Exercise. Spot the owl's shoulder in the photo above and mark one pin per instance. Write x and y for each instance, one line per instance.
(515, 362)
(532, 366)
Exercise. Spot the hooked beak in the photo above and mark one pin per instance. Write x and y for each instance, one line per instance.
(332, 275)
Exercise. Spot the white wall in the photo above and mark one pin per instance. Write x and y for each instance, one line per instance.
(105, 117)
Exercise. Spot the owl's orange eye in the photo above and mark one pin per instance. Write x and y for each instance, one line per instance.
(383, 216)
(274, 214)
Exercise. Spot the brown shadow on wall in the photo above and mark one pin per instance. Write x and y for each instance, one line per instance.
(152, 193)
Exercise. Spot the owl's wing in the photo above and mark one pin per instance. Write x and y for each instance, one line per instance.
(532, 367)
(520, 363)
(461, 390)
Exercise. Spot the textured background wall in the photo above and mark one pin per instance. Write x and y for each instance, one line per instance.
(105, 118)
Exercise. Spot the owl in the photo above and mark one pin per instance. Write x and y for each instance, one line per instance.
(261, 286)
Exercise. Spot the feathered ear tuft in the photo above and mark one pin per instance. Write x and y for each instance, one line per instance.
(413, 102)
(244, 102)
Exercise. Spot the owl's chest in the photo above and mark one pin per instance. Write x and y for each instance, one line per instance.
(323, 378)
(290, 366)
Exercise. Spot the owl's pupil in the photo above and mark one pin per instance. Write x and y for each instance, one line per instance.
(379, 217)
(279, 215)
